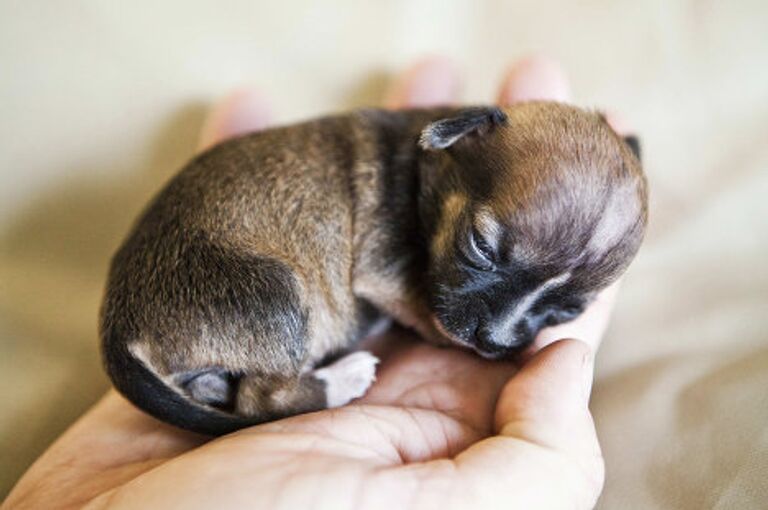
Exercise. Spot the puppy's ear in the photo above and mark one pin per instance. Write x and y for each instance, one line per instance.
(631, 140)
(444, 133)
(634, 144)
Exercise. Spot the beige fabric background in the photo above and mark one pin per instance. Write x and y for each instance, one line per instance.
(101, 101)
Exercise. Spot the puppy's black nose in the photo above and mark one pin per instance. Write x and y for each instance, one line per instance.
(525, 331)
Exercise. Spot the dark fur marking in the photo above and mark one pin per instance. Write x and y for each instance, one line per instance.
(150, 394)
(399, 192)
(164, 285)
(634, 144)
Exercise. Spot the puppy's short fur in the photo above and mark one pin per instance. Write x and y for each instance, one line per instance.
(271, 254)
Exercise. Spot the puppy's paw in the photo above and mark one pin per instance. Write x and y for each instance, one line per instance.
(348, 378)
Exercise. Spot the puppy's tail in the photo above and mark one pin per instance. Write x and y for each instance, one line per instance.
(147, 391)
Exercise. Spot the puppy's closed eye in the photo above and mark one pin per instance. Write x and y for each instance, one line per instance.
(483, 239)
(481, 249)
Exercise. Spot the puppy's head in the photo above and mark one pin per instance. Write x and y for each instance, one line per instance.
(530, 211)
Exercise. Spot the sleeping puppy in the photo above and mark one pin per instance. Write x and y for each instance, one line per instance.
(238, 293)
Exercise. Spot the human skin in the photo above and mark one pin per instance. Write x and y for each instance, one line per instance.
(441, 428)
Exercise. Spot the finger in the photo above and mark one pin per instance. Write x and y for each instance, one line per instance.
(546, 454)
(113, 439)
(589, 327)
(545, 408)
(549, 393)
(121, 433)
(433, 81)
(241, 112)
(534, 78)
(618, 122)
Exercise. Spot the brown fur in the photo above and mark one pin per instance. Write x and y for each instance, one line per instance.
(272, 252)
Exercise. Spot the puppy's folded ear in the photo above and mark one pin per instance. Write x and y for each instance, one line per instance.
(444, 133)
(631, 140)
(634, 145)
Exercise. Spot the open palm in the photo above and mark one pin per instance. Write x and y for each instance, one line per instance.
(441, 428)
(423, 438)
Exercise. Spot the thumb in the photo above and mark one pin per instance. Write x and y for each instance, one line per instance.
(545, 454)
(546, 402)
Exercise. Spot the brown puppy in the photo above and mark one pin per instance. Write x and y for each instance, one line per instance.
(238, 291)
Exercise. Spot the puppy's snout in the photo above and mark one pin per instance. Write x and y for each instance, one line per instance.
(496, 339)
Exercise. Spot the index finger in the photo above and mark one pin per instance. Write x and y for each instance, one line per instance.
(242, 111)
(534, 78)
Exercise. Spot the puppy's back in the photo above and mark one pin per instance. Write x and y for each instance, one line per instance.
(217, 277)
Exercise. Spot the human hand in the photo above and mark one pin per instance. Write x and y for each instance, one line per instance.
(440, 428)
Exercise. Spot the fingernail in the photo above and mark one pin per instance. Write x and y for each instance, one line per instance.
(535, 78)
(243, 111)
(431, 82)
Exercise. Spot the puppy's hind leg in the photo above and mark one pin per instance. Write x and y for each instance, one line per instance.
(330, 386)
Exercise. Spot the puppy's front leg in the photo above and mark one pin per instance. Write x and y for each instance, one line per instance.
(348, 378)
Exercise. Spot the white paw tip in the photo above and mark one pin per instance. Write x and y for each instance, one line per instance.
(348, 378)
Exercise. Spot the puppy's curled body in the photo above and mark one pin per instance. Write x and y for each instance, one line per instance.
(237, 294)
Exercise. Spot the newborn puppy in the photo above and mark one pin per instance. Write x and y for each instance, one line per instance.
(237, 294)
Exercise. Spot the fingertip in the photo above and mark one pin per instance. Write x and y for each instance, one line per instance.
(432, 81)
(589, 327)
(552, 383)
(532, 78)
(242, 111)
(566, 351)
(618, 122)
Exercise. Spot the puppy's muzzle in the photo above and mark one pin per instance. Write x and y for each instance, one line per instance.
(496, 342)
(490, 342)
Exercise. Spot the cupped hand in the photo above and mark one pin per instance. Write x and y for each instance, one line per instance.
(441, 428)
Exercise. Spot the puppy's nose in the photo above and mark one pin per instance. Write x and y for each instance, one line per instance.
(492, 339)
(525, 332)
